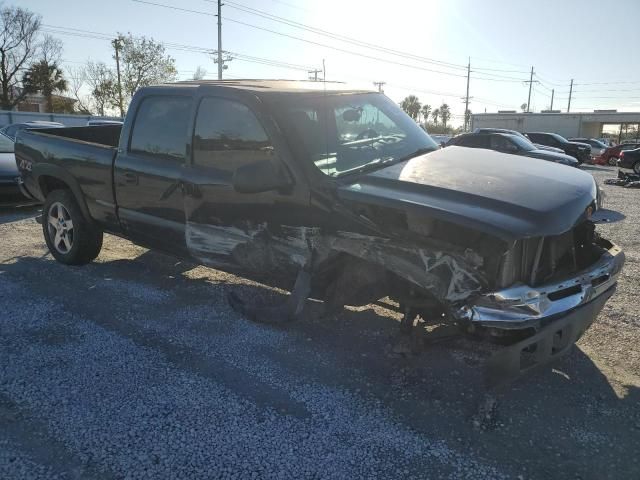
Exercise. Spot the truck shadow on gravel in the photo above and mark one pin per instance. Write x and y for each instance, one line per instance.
(550, 423)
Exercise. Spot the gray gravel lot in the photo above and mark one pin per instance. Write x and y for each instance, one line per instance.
(135, 367)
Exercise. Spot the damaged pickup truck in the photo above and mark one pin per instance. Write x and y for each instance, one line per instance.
(338, 192)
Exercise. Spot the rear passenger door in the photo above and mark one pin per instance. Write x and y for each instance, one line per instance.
(148, 175)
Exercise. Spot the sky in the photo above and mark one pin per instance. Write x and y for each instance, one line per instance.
(417, 47)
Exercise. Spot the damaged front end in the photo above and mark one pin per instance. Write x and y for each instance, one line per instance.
(556, 286)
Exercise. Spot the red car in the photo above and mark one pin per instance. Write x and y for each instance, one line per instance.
(611, 154)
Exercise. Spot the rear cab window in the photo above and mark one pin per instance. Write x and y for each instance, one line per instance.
(160, 127)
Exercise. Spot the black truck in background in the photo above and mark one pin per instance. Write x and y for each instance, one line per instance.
(580, 151)
(339, 195)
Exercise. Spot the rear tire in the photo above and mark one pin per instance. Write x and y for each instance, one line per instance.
(71, 238)
(613, 161)
(636, 167)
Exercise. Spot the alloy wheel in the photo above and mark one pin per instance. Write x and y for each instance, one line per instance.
(60, 227)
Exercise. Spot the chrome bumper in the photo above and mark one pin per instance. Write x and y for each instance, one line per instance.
(521, 306)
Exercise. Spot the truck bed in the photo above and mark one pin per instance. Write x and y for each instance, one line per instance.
(102, 135)
(81, 156)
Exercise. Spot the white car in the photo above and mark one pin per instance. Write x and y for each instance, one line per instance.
(9, 174)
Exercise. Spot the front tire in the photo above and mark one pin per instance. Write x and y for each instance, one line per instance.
(71, 238)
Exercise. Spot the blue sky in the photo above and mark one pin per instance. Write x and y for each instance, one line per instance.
(590, 41)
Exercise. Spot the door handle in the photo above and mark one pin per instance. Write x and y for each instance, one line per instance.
(130, 177)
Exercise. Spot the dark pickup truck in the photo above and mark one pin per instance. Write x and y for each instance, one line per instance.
(339, 194)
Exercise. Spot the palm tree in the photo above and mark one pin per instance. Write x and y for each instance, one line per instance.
(411, 105)
(46, 78)
(426, 111)
(445, 114)
(435, 114)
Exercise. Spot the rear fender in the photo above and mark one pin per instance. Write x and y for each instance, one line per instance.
(42, 171)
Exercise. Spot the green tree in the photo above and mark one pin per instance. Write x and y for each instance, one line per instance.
(426, 112)
(19, 31)
(143, 62)
(445, 114)
(411, 105)
(46, 78)
(435, 115)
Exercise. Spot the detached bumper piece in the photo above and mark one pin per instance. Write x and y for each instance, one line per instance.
(550, 343)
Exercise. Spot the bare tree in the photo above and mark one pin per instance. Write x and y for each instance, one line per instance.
(199, 74)
(77, 79)
(19, 46)
(51, 49)
(143, 62)
(103, 84)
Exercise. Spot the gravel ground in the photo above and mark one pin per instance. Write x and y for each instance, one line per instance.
(135, 367)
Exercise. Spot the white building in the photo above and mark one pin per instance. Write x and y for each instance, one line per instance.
(566, 124)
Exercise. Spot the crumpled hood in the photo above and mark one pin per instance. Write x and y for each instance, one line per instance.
(8, 167)
(505, 195)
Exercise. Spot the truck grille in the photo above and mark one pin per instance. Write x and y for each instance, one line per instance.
(535, 261)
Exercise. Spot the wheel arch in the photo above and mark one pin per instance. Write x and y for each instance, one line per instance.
(53, 177)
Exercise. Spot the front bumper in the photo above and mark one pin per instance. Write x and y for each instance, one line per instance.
(521, 306)
(548, 344)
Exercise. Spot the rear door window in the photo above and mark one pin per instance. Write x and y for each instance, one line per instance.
(227, 134)
(161, 127)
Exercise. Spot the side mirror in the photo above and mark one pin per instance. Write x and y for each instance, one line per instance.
(261, 176)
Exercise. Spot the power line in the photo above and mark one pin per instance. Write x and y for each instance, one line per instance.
(178, 46)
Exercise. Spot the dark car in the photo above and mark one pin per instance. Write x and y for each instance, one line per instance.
(611, 154)
(579, 151)
(339, 195)
(597, 147)
(630, 159)
(12, 129)
(517, 133)
(513, 144)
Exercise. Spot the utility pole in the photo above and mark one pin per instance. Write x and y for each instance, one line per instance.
(324, 72)
(219, 40)
(116, 45)
(380, 85)
(530, 86)
(314, 73)
(466, 101)
(570, 93)
(553, 90)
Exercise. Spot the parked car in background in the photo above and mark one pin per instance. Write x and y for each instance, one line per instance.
(9, 174)
(12, 129)
(440, 139)
(630, 159)
(93, 123)
(517, 133)
(610, 155)
(580, 151)
(597, 147)
(606, 141)
(513, 144)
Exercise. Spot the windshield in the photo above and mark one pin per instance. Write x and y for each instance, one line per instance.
(342, 134)
(6, 145)
(523, 142)
(559, 138)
